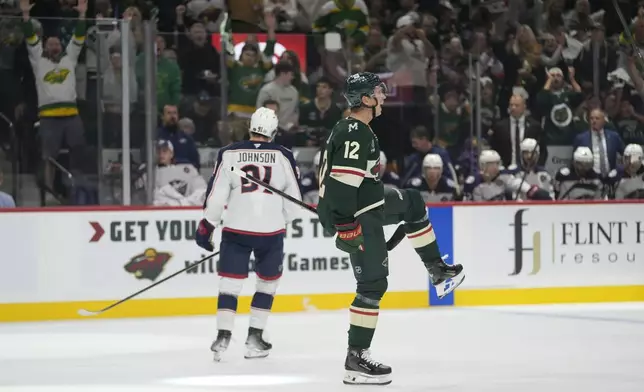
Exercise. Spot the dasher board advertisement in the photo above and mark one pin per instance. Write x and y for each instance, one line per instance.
(106, 255)
(557, 245)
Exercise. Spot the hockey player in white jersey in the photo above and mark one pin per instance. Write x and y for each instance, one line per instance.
(631, 176)
(178, 184)
(535, 175)
(252, 220)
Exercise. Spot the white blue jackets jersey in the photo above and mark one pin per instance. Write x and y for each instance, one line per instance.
(475, 189)
(179, 185)
(444, 190)
(569, 184)
(538, 176)
(310, 188)
(243, 207)
(629, 186)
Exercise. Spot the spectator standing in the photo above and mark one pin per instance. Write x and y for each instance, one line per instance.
(54, 71)
(177, 184)
(282, 90)
(605, 144)
(168, 77)
(629, 123)
(349, 18)
(300, 81)
(506, 137)
(202, 110)
(184, 148)
(113, 101)
(319, 116)
(245, 77)
(208, 13)
(556, 102)
(198, 59)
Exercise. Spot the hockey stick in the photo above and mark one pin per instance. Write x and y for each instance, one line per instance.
(395, 239)
(525, 175)
(87, 313)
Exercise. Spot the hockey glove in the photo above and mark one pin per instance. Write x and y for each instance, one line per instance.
(349, 238)
(204, 235)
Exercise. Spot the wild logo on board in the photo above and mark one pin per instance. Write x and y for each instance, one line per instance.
(149, 264)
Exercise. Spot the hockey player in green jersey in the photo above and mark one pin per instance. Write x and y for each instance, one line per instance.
(354, 204)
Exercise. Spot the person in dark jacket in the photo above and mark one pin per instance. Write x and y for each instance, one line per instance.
(185, 150)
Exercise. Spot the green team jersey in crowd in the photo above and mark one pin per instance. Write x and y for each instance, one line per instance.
(244, 82)
(349, 173)
(556, 108)
(348, 21)
(450, 126)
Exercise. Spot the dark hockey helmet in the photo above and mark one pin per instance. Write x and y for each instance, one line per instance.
(361, 85)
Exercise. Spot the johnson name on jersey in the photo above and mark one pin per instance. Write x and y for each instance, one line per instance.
(243, 206)
(443, 190)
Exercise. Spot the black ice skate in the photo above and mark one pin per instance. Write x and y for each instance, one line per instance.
(445, 278)
(221, 344)
(362, 370)
(256, 346)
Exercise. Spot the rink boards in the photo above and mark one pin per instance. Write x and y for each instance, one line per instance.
(58, 261)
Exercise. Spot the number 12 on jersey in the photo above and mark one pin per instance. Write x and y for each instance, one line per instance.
(253, 170)
(351, 149)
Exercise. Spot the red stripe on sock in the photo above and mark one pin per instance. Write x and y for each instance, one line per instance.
(375, 313)
(428, 230)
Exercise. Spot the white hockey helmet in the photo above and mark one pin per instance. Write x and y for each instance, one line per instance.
(432, 161)
(489, 156)
(529, 145)
(264, 122)
(633, 153)
(583, 155)
(316, 159)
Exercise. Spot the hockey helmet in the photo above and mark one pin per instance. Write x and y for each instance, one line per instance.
(433, 166)
(583, 159)
(362, 84)
(633, 156)
(529, 152)
(489, 162)
(264, 122)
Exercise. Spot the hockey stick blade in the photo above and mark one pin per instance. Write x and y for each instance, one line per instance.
(395, 239)
(89, 313)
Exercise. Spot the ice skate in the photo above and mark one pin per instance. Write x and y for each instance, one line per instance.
(221, 344)
(362, 370)
(256, 346)
(445, 278)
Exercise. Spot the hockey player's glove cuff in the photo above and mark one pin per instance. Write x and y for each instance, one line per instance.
(204, 235)
(349, 238)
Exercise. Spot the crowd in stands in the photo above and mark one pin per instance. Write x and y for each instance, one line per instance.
(547, 86)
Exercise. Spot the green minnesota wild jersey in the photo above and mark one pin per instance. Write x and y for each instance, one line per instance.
(349, 173)
(245, 82)
(556, 108)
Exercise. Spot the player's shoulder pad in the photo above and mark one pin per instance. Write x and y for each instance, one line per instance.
(415, 182)
(612, 174)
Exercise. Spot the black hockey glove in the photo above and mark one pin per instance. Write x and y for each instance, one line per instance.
(204, 235)
(349, 238)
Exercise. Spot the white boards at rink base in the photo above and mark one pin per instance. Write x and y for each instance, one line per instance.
(57, 261)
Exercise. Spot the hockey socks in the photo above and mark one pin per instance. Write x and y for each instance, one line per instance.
(262, 303)
(363, 320)
(423, 239)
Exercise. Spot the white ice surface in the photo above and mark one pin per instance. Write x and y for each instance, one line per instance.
(572, 348)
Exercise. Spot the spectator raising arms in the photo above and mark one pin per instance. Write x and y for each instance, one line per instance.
(55, 75)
